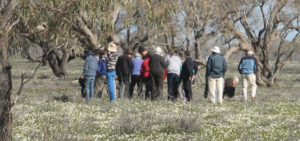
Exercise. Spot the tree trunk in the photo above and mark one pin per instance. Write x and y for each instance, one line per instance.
(5, 91)
(57, 64)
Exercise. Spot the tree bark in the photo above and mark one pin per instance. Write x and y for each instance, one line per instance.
(5, 91)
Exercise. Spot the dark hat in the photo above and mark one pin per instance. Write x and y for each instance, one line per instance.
(141, 49)
(89, 52)
(97, 51)
(187, 53)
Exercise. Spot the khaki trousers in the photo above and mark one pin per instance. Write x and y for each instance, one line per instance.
(252, 79)
(213, 84)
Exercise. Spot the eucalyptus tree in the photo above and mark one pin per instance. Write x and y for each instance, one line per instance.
(264, 26)
(7, 22)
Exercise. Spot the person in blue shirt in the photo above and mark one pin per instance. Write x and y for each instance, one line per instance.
(136, 65)
(89, 73)
(247, 68)
(101, 76)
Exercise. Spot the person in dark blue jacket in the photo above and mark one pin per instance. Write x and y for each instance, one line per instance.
(215, 70)
(247, 68)
(101, 76)
(89, 73)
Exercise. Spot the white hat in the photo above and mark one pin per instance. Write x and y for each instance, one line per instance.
(216, 49)
(158, 50)
(112, 47)
(250, 52)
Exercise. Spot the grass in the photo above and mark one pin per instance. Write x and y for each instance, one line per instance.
(41, 112)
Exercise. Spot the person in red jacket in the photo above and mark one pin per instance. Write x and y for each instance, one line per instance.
(145, 72)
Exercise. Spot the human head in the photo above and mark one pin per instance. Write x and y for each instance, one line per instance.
(249, 52)
(171, 51)
(236, 78)
(112, 47)
(216, 49)
(158, 50)
(187, 53)
(97, 52)
(142, 51)
(137, 55)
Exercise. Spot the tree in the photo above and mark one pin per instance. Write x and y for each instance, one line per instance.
(7, 22)
(262, 26)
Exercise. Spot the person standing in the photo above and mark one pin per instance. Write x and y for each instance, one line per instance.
(247, 68)
(111, 61)
(89, 73)
(187, 75)
(157, 65)
(173, 71)
(145, 72)
(136, 65)
(101, 76)
(215, 70)
(123, 72)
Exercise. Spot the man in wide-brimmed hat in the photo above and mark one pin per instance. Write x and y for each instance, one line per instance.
(111, 62)
(215, 70)
(247, 68)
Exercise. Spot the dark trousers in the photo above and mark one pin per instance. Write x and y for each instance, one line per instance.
(81, 82)
(172, 86)
(157, 86)
(187, 87)
(206, 87)
(123, 86)
(229, 91)
(135, 80)
(147, 82)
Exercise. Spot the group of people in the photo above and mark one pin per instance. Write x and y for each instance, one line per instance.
(148, 69)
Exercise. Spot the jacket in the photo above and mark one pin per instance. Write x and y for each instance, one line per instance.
(101, 67)
(157, 65)
(123, 65)
(216, 66)
(248, 65)
(145, 69)
(136, 65)
(187, 69)
(90, 66)
(111, 62)
(174, 64)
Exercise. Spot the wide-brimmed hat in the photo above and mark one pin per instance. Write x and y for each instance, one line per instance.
(216, 49)
(112, 47)
(250, 52)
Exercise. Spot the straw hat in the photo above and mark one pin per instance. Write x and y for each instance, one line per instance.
(112, 47)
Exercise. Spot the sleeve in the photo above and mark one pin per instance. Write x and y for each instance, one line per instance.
(195, 68)
(99, 68)
(118, 65)
(163, 63)
(142, 69)
(240, 66)
(86, 67)
(255, 65)
(224, 67)
(129, 65)
(190, 67)
(208, 67)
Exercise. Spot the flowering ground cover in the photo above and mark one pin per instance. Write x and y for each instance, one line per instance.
(52, 109)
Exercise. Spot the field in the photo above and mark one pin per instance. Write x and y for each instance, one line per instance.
(52, 109)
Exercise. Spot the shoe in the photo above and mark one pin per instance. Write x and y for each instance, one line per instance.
(253, 99)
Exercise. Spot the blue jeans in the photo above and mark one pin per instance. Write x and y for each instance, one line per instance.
(89, 87)
(110, 77)
(172, 86)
